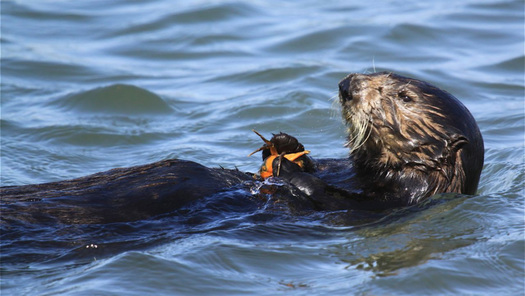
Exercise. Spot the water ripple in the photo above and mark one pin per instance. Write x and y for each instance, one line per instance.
(92, 85)
(115, 99)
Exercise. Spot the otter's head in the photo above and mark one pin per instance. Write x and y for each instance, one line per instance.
(409, 132)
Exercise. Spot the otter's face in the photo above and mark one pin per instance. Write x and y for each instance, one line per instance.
(397, 123)
(391, 118)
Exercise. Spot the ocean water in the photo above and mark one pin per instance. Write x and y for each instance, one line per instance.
(87, 86)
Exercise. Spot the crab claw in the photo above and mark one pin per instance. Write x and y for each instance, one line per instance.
(263, 138)
(267, 145)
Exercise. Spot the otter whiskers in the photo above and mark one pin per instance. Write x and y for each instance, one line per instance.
(359, 131)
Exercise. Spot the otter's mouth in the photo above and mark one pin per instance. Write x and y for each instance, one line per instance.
(355, 111)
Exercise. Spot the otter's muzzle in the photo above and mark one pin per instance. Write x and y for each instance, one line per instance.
(344, 89)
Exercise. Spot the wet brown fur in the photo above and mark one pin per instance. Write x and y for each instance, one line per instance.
(410, 137)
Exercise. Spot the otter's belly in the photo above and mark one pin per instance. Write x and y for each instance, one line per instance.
(165, 187)
(118, 195)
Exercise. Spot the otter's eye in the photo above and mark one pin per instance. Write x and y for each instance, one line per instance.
(403, 95)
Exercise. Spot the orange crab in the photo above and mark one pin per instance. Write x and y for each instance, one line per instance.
(282, 146)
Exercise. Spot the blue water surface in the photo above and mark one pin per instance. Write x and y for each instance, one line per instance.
(88, 86)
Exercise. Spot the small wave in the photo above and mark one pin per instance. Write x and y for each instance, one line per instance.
(508, 66)
(116, 99)
(268, 75)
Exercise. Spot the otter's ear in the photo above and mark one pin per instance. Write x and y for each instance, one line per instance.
(457, 141)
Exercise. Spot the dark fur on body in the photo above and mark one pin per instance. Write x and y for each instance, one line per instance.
(118, 195)
(409, 140)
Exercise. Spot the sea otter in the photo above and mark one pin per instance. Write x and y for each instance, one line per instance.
(408, 140)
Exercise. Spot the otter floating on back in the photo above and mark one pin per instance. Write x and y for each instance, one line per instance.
(408, 139)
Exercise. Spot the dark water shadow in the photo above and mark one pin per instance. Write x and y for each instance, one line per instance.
(408, 237)
(238, 214)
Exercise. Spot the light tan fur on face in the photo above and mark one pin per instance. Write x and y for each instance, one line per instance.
(380, 121)
(407, 133)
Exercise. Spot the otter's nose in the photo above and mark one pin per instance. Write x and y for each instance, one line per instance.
(344, 89)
